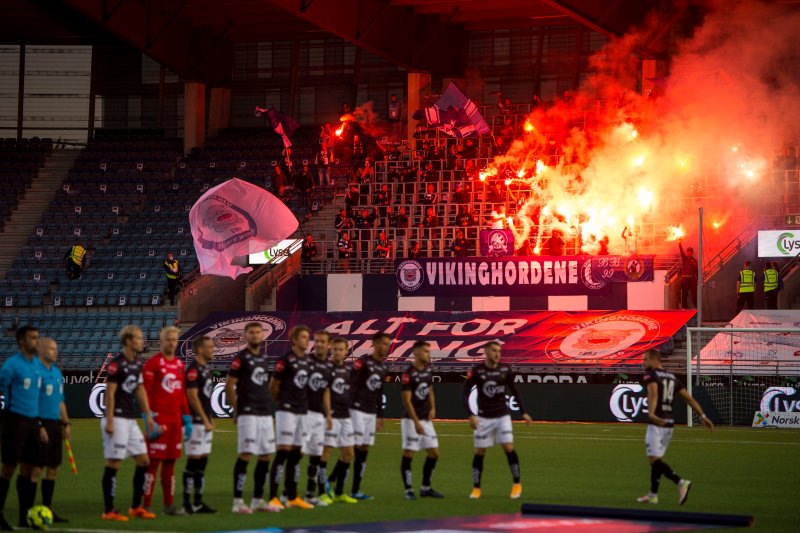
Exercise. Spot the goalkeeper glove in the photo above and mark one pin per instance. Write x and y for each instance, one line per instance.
(187, 426)
(152, 432)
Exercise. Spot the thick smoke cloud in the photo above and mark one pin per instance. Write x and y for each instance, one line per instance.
(707, 137)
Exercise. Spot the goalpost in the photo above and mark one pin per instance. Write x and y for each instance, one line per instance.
(733, 371)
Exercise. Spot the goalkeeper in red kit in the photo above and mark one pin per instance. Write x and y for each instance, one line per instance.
(166, 392)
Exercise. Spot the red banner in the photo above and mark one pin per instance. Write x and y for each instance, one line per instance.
(595, 338)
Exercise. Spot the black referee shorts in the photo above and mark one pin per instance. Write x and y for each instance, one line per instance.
(50, 454)
(19, 442)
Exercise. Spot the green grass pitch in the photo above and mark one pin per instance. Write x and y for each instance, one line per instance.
(735, 470)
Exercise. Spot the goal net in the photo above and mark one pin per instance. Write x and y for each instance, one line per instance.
(734, 372)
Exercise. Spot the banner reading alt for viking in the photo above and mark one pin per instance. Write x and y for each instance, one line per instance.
(509, 276)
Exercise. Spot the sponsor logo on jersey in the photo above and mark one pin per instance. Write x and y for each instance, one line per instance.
(170, 383)
(48, 390)
(374, 382)
(258, 376)
(511, 402)
(491, 388)
(422, 391)
(339, 386)
(130, 384)
(300, 379)
(317, 381)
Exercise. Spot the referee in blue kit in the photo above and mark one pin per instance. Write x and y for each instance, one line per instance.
(20, 381)
(55, 420)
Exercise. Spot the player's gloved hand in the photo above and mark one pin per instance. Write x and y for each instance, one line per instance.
(187, 426)
(154, 431)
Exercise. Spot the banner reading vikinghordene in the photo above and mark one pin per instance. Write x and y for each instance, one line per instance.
(529, 337)
(508, 276)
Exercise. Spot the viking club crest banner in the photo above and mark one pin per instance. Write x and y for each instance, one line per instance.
(233, 220)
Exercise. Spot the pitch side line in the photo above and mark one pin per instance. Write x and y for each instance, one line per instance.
(80, 530)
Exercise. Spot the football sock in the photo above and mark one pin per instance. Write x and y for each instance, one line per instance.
(139, 477)
(260, 478)
(427, 471)
(477, 470)
(276, 473)
(322, 476)
(341, 476)
(200, 479)
(405, 472)
(313, 474)
(359, 468)
(239, 477)
(513, 465)
(109, 488)
(48, 488)
(292, 474)
(168, 482)
(150, 481)
(189, 474)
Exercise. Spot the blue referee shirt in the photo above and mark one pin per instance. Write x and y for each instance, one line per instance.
(51, 394)
(20, 380)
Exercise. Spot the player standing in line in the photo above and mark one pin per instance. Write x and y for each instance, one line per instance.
(55, 420)
(417, 429)
(340, 434)
(23, 434)
(367, 408)
(289, 390)
(662, 386)
(163, 376)
(319, 417)
(493, 382)
(199, 387)
(248, 395)
(122, 437)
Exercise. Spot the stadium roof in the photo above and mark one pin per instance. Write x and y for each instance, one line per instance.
(195, 38)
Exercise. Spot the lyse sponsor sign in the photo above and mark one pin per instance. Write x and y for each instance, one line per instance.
(544, 337)
(628, 402)
(510, 276)
(772, 419)
(779, 243)
(780, 400)
(278, 253)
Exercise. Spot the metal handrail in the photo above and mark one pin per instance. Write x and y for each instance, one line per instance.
(714, 265)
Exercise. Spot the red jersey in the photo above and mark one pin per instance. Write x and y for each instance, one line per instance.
(165, 386)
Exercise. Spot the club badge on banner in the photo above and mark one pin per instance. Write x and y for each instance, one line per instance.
(621, 269)
(546, 337)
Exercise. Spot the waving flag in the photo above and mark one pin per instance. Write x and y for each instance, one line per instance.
(233, 220)
(455, 114)
(283, 125)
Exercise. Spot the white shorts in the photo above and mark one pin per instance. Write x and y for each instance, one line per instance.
(657, 440)
(255, 435)
(290, 428)
(126, 441)
(200, 441)
(363, 427)
(315, 426)
(493, 430)
(341, 435)
(412, 441)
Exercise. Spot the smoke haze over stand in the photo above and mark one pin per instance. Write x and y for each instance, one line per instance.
(711, 132)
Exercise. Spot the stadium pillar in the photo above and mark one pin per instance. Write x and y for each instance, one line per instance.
(219, 110)
(419, 86)
(194, 115)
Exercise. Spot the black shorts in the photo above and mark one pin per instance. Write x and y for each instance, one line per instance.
(50, 454)
(19, 442)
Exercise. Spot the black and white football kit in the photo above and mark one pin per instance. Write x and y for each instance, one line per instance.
(127, 439)
(491, 387)
(419, 383)
(292, 405)
(318, 382)
(254, 425)
(367, 387)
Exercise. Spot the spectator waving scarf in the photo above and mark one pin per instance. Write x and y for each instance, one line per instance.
(233, 220)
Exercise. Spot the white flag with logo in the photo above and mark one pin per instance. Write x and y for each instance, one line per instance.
(233, 220)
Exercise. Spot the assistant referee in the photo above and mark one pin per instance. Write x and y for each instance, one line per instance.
(23, 433)
(55, 420)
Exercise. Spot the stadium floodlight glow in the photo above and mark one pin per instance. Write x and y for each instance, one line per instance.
(278, 253)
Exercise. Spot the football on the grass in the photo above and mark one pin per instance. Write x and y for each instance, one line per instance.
(40, 517)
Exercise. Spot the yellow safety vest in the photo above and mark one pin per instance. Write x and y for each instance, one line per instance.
(770, 279)
(174, 267)
(747, 281)
(76, 254)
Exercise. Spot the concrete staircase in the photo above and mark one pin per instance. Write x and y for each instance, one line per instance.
(33, 205)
